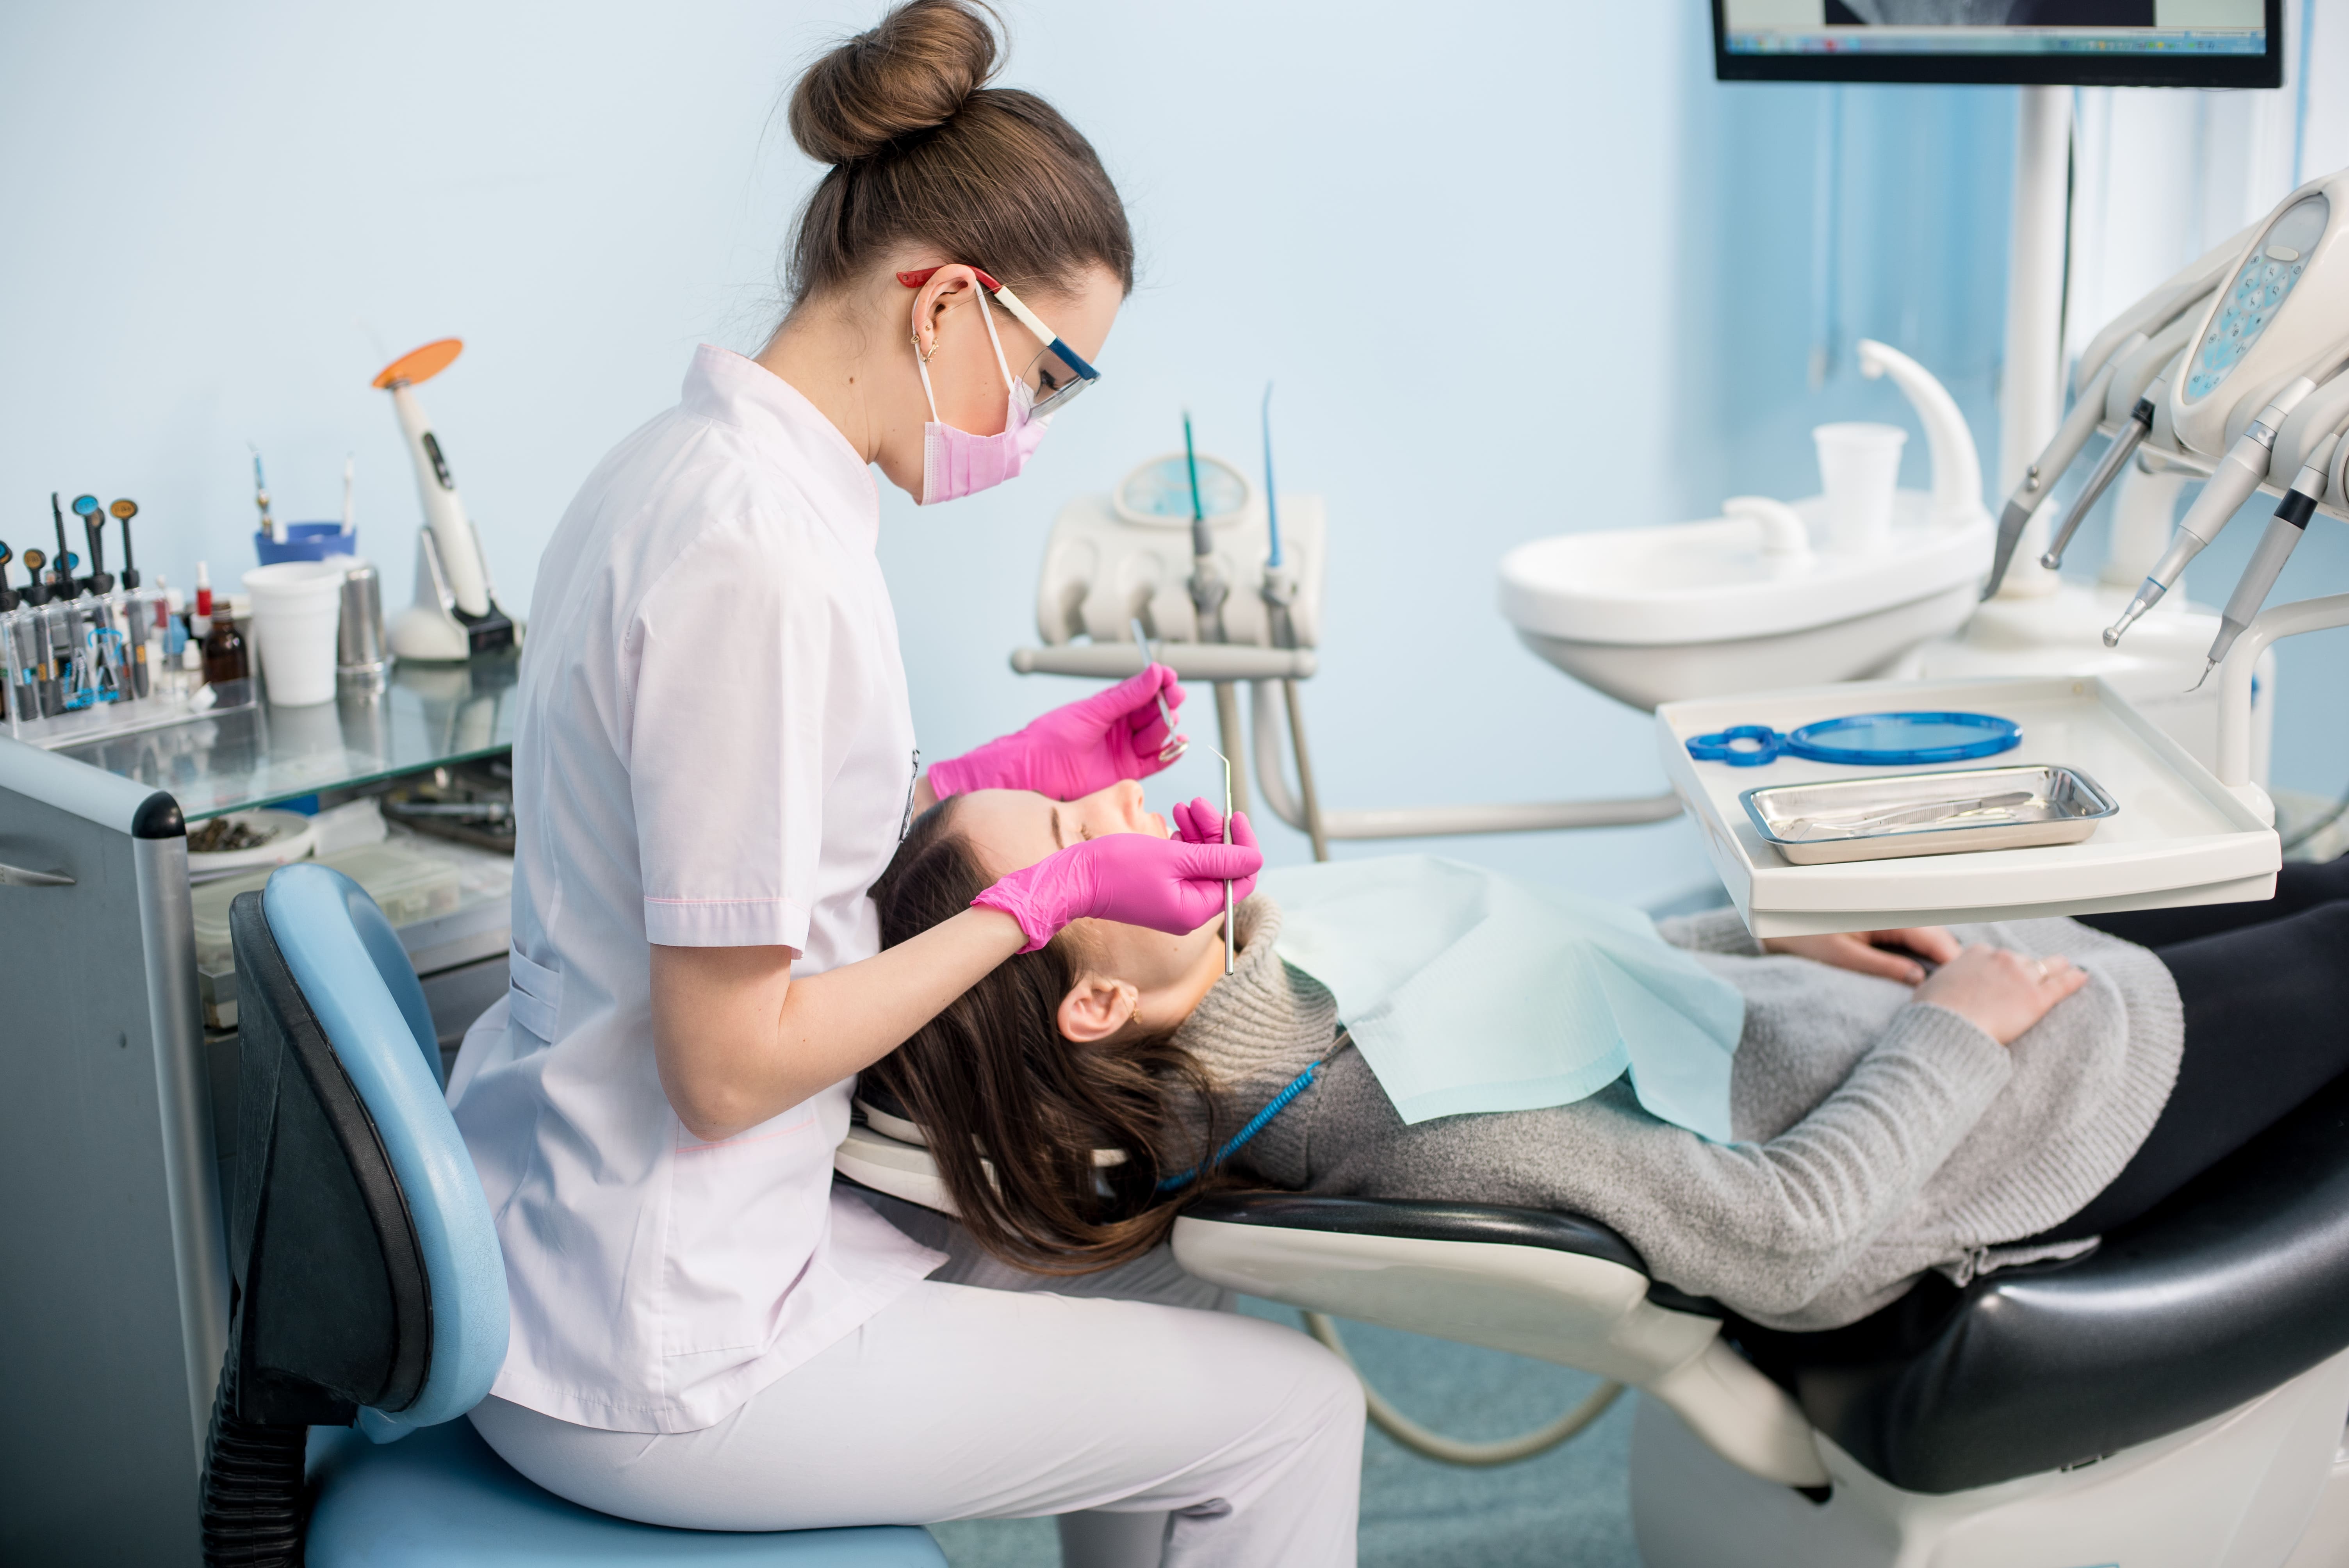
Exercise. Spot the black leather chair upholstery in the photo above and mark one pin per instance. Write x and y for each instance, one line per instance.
(2237, 1283)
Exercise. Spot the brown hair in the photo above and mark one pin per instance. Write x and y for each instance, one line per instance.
(993, 1078)
(923, 152)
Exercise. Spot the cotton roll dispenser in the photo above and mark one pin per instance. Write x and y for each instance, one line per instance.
(455, 614)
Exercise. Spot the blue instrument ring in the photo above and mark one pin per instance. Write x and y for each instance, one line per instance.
(1742, 746)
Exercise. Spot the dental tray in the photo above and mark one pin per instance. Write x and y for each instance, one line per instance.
(1900, 814)
(2179, 836)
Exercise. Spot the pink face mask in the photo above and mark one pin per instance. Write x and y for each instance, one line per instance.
(955, 463)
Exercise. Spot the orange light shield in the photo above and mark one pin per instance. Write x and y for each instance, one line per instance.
(420, 364)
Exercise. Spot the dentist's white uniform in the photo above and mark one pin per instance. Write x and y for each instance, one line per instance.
(714, 748)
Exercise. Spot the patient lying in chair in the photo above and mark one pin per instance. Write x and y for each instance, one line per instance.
(1900, 1101)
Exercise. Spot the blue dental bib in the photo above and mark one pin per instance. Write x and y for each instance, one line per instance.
(1467, 991)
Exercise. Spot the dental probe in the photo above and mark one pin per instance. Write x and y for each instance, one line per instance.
(2125, 445)
(1174, 745)
(2039, 479)
(2284, 532)
(2239, 474)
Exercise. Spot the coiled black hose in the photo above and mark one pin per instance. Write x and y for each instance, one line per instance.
(254, 1497)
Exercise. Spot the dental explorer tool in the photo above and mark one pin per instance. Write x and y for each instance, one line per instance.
(124, 511)
(93, 524)
(2239, 474)
(1174, 745)
(1231, 943)
(2124, 447)
(2285, 531)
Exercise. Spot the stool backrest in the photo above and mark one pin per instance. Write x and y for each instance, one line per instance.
(352, 981)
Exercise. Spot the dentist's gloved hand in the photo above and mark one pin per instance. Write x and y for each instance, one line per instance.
(1200, 823)
(1076, 750)
(1166, 884)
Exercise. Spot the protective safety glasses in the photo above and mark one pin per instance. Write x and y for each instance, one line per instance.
(1057, 374)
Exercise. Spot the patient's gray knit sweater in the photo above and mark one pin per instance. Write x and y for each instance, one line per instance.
(1879, 1138)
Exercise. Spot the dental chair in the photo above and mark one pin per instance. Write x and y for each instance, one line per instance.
(368, 1286)
(2175, 1400)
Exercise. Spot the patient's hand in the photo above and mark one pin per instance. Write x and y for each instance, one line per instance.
(1866, 952)
(2001, 992)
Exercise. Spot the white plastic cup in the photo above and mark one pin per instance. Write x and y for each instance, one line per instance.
(1859, 469)
(297, 608)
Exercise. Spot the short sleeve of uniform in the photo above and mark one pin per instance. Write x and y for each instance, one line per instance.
(732, 701)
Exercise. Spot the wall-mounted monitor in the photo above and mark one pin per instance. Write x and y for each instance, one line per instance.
(2082, 43)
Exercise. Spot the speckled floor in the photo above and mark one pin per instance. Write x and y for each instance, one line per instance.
(1569, 1508)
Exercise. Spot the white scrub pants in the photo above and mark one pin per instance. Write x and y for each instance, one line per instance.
(955, 1402)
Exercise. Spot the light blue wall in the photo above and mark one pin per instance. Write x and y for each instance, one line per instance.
(1515, 269)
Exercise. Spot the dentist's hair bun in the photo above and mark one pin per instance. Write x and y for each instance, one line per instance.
(912, 73)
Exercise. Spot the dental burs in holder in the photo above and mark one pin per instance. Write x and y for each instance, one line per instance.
(455, 614)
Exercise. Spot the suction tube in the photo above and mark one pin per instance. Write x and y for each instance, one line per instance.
(2239, 474)
(2124, 447)
(2039, 479)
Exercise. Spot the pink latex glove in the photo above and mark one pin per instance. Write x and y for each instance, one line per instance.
(1075, 749)
(1200, 823)
(1166, 884)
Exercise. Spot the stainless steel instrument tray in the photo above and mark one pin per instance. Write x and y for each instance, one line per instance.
(1894, 815)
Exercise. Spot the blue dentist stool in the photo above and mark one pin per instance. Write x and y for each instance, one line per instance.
(369, 1285)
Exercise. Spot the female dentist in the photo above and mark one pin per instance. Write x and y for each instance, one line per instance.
(716, 757)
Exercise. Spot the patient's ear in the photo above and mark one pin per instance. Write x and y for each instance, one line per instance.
(1097, 1007)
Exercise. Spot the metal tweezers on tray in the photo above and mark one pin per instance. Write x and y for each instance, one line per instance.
(1899, 814)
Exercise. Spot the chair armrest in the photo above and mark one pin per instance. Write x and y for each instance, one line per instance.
(1555, 1287)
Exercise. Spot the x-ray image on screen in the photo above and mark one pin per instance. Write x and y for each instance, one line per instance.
(2089, 42)
(1989, 13)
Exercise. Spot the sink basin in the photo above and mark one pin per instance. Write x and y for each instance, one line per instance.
(1740, 603)
(1651, 616)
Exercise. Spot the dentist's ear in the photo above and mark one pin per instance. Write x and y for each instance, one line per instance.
(1097, 1007)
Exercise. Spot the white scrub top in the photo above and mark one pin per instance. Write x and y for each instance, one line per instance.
(713, 748)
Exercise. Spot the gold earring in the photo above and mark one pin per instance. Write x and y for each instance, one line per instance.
(925, 356)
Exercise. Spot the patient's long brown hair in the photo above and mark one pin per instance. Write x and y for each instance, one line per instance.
(992, 1077)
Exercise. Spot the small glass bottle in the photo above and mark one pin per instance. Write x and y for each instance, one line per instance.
(227, 669)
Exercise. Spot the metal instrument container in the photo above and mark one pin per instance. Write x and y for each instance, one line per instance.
(360, 661)
(1894, 815)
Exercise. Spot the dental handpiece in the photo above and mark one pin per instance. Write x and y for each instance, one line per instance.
(2285, 531)
(2237, 477)
(2039, 480)
(2124, 447)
